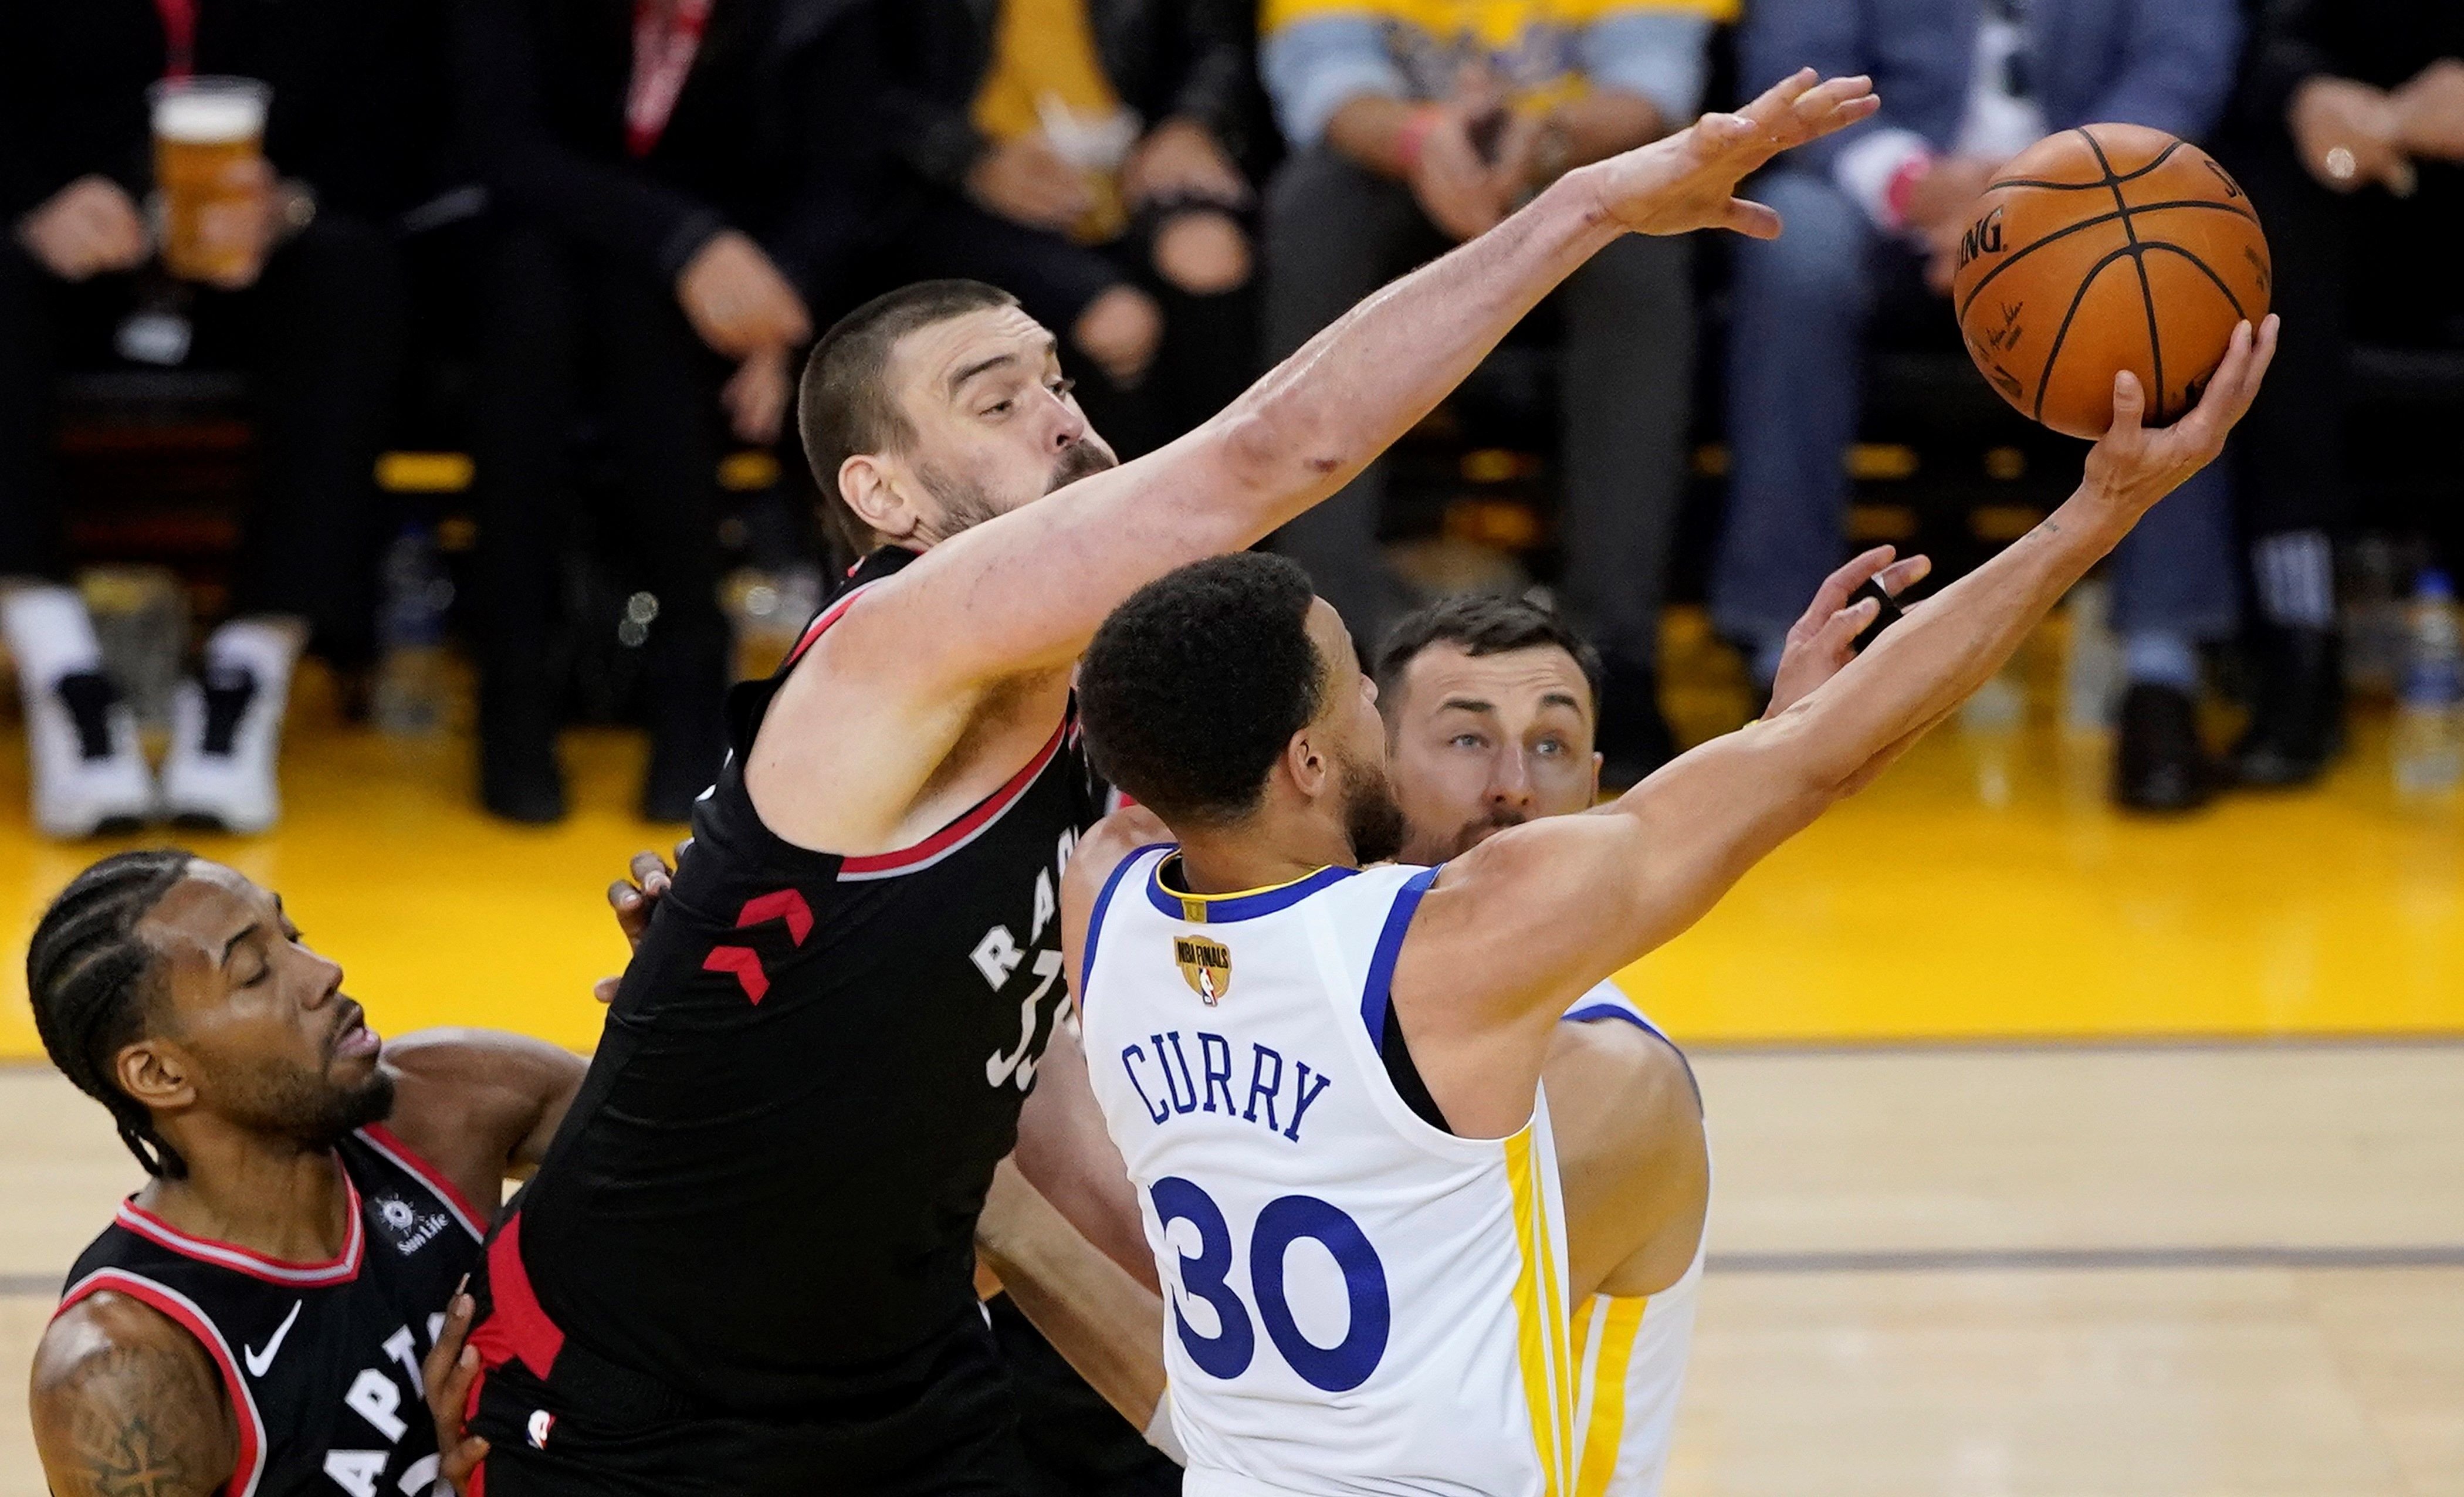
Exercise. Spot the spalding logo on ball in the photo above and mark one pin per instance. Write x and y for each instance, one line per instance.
(2107, 248)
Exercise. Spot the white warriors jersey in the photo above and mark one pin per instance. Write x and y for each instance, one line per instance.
(1630, 1352)
(1360, 1302)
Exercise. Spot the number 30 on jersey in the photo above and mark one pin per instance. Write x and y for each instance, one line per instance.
(1285, 1221)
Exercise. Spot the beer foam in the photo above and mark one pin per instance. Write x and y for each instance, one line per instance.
(209, 118)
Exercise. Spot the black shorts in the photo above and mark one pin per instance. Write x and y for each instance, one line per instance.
(958, 1435)
(561, 1419)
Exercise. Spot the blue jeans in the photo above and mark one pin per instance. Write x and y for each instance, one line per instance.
(1796, 353)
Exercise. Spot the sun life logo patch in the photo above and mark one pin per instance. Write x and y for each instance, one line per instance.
(1205, 965)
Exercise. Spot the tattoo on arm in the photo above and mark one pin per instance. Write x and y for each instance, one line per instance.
(135, 1420)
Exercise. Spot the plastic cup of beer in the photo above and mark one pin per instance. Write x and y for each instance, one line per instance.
(209, 133)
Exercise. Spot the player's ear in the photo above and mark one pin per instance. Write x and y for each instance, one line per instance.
(1308, 764)
(155, 1072)
(871, 489)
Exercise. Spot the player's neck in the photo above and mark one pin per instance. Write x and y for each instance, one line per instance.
(262, 1194)
(1258, 857)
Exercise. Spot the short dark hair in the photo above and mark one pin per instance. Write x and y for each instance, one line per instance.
(1483, 624)
(1193, 687)
(94, 981)
(845, 406)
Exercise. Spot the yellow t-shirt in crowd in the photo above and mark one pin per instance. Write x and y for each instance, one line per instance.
(1046, 77)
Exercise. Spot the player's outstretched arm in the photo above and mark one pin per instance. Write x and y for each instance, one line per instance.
(1027, 590)
(123, 1400)
(1541, 911)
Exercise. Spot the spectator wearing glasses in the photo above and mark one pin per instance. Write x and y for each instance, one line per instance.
(1086, 156)
(313, 307)
(2349, 132)
(1416, 124)
(1874, 218)
(671, 185)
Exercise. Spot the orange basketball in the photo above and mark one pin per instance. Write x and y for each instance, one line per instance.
(2107, 248)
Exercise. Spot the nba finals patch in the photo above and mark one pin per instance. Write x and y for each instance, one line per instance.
(1205, 965)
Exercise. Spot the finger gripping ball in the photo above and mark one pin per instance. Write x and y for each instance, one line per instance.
(2105, 247)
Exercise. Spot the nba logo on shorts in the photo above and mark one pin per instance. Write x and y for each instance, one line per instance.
(1205, 965)
(542, 1422)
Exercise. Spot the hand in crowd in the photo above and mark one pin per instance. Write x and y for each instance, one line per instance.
(756, 396)
(1026, 182)
(1120, 330)
(738, 302)
(2131, 467)
(2351, 135)
(89, 228)
(2429, 111)
(1181, 159)
(1464, 193)
(1823, 641)
(633, 898)
(1939, 204)
(1689, 179)
(1202, 251)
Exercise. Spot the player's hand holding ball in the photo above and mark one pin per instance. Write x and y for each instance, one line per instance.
(2132, 466)
(1688, 181)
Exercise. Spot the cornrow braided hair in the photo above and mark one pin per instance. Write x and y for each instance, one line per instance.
(90, 976)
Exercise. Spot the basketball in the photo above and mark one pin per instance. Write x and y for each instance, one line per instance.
(2105, 247)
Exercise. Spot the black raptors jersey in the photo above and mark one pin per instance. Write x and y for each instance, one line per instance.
(764, 1196)
(321, 1361)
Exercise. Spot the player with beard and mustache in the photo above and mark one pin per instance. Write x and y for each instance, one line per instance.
(1285, 1043)
(1490, 704)
(255, 1317)
(746, 1262)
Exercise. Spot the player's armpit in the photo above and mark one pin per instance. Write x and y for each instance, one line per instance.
(481, 1105)
(126, 1404)
(1631, 1155)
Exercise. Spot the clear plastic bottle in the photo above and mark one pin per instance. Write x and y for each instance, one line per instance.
(411, 687)
(2430, 700)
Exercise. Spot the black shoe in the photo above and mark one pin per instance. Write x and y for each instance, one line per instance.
(2159, 765)
(1633, 738)
(520, 779)
(2297, 716)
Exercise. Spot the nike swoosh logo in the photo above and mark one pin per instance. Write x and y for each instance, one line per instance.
(259, 1361)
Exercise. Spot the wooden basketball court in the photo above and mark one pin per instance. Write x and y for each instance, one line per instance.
(2054, 1153)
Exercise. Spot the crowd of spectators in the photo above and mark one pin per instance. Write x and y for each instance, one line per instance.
(669, 199)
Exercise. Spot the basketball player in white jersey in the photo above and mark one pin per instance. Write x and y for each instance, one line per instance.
(1490, 704)
(1325, 1079)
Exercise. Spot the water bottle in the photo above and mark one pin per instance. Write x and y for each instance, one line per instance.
(2430, 701)
(411, 688)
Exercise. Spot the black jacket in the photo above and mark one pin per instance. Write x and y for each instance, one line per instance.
(356, 91)
(770, 135)
(1164, 57)
(2379, 43)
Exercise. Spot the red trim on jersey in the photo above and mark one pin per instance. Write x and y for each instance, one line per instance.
(516, 1328)
(386, 1141)
(255, 1264)
(249, 1468)
(965, 828)
(828, 616)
